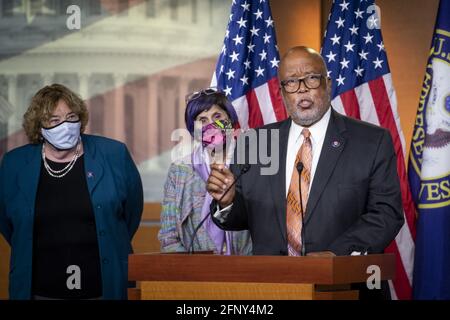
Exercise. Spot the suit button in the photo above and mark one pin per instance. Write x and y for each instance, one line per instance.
(283, 252)
(105, 261)
(99, 207)
(102, 233)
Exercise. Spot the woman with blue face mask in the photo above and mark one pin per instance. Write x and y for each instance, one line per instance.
(70, 204)
(210, 119)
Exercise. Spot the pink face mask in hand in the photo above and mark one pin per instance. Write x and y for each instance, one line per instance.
(215, 134)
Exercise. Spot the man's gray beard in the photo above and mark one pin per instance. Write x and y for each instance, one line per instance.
(305, 122)
(310, 121)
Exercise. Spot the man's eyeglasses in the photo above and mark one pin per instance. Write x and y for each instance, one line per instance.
(311, 81)
(196, 94)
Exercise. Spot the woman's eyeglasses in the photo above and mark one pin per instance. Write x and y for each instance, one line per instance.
(196, 94)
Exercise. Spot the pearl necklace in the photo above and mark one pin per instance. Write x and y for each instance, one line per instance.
(61, 173)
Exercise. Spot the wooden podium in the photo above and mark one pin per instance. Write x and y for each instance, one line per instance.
(216, 277)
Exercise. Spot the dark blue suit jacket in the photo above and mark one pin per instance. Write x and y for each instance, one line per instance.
(354, 202)
(117, 199)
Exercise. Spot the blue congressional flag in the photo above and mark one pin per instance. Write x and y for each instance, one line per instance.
(247, 68)
(429, 168)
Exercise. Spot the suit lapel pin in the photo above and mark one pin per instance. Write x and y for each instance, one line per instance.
(335, 144)
(90, 174)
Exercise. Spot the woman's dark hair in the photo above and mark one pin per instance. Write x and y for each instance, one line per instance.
(204, 101)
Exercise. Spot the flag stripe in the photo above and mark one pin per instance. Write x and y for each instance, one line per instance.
(337, 105)
(367, 106)
(265, 103)
(403, 245)
(241, 107)
(404, 242)
(402, 286)
(277, 101)
(393, 102)
(254, 112)
(386, 118)
(350, 103)
(392, 289)
(383, 108)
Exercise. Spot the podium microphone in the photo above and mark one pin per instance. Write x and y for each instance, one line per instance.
(244, 169)
(299, 170)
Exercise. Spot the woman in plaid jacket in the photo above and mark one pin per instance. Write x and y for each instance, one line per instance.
(208, 116)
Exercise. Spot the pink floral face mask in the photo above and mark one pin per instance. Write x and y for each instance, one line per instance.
(215, 133)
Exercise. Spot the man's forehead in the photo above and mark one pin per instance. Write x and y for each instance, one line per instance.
(304, 58)
(303, 66)
(301, 60)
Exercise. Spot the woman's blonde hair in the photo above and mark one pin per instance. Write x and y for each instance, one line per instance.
(44, 103)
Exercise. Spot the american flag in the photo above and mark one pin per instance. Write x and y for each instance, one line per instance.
(135, 95)
(362, 88)
(248, 65)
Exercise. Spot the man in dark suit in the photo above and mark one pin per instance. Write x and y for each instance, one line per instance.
(350, 191)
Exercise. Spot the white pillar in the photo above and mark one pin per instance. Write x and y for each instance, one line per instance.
(119, 110)
(152, 116)
(203, 10)
(84, 85)
(183, 91)
(162, 9)
(12, 89)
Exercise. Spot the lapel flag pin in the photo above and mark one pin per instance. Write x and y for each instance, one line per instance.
(335, 144)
